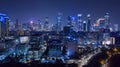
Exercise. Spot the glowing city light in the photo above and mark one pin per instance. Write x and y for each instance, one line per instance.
(31, 22)
(79, 15)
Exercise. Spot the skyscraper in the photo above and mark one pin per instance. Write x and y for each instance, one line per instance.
(85, 26)
(46, 24)
(107, 20)
(4, 25)
(39, 25)
(69, 21)
(59, 20)
(18, 27)
(74, 25)
(89, 23)
(116, 27)
(80, 26)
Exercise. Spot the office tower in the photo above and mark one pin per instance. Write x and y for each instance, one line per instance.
(59, 20)
(24, 26)
(7, 26)
(73, 25)
(80, 27)
(18, 27)
(39, 25)
(53, 27)
(69, 21)
(116, 27)
(89, 23)
(46, 24)
(31, 25)
(4, 25)
(16, 24)
(84, 26)
(11, 26)
(107, 21)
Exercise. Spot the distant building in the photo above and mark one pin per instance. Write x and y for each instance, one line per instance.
(74, 25)
(85, 26)
(59, 20)
(69, 21)
(4, 25)
(46, 25)
(53, 27)
(80, 24)
(116, 27)
(107, 20)
(18, 27)
(39, 25)
(89, 23)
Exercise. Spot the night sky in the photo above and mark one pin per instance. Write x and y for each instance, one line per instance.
(27, 10)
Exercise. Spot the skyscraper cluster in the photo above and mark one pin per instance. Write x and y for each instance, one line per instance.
(74, 23)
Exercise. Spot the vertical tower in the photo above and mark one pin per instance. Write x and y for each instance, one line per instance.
(89, 23)
(107, 20)
(84, 26)
(53, 27)
(115, 27)
(80, 27)
(4, 25)
(69, 21)
(18, 27)
(73, 25)
(16, 24)
(39, 25)
(59, 20)
(46, 24)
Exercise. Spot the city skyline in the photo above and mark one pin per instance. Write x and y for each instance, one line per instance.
(26, 11)
(59, 33)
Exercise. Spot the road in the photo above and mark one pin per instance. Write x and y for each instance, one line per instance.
(9, 49)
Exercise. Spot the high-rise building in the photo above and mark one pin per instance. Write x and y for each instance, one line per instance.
(80, 26)
(107, 20)
(85, 26)
(11, 26)
(116, 27)
(4, 25)
(59, 20)
(53, 27)
(89, 23)
(39, 25)
(74, 25)
(46, 24)
(69, 21)
(18, 27)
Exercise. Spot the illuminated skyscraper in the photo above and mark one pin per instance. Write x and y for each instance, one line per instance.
(39, 25)
(11, 26)
(59, 20)
(53, 27)
(69, 21)
(84, 26)
(107, 21)
(116, 27)
(4, 25)
(18, 27)
(89, 23)
(80, 27)
(46, 24)
(74, 25)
